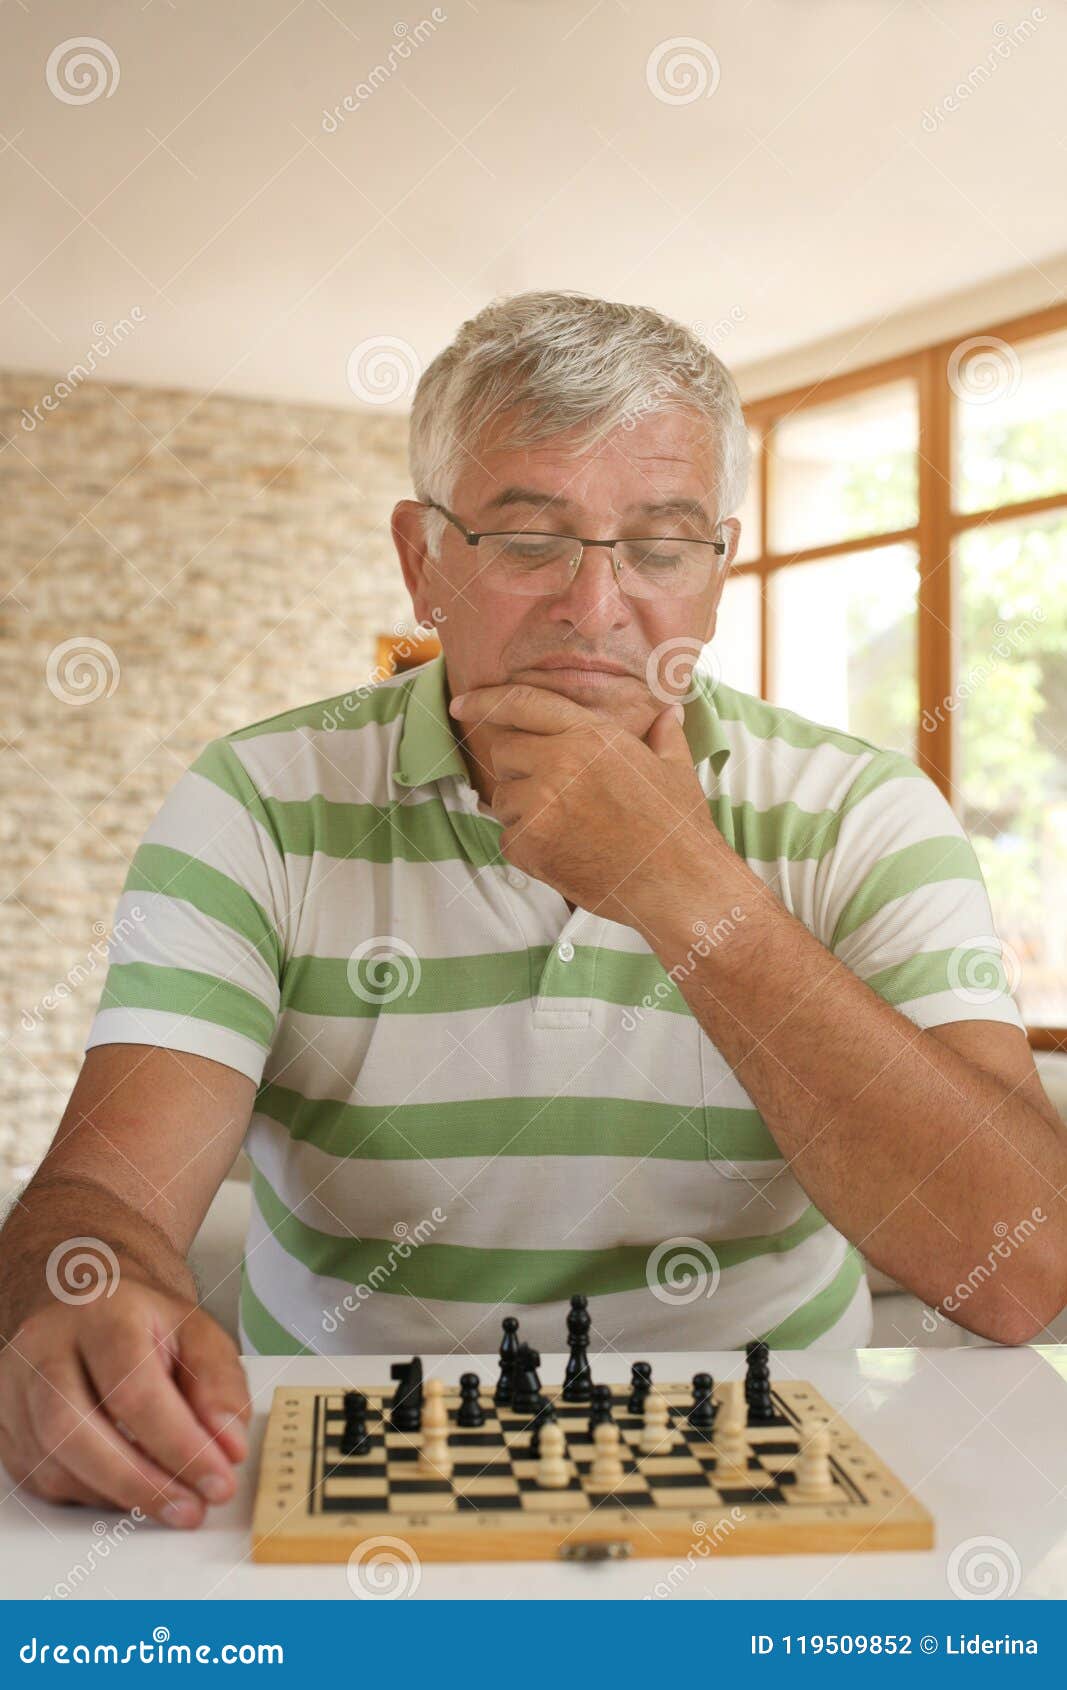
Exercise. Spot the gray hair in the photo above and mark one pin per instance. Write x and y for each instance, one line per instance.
(538, 364)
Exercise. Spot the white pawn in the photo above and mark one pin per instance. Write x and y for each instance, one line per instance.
(553, 1468)
(606, 1471)
(435, 1460)
(731, 1438)
(814, 1478)
(656, 1433)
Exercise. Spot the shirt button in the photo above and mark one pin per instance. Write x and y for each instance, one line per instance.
(565, 951)
(516, 878)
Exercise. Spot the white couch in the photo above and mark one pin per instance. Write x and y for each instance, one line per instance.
(899, 1318)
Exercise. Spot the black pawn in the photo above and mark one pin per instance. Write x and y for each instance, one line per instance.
(640, 1385)
(601, 1409)
(509, 1346)
(577, 1380)
(470, 1411)
(354, 1438)
(758, 1385)
(702, 1414)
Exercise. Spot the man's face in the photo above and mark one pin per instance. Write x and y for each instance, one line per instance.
(490, 637)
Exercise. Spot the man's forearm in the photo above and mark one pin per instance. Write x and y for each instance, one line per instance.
(907, 1148)
(56, 1211)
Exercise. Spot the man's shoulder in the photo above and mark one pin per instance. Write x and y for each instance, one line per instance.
(372, 704)
(764, 736)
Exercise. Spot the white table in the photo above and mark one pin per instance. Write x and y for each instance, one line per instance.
(978, 1434)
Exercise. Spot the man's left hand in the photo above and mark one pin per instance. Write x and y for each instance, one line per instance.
(586, 806)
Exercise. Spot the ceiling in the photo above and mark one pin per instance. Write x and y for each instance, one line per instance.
(802, 177)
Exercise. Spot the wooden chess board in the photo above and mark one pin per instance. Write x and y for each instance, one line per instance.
(315, 1504)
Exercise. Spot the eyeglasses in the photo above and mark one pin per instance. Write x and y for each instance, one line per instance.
(537, 564)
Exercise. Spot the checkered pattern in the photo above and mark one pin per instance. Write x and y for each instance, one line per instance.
(492, 1470)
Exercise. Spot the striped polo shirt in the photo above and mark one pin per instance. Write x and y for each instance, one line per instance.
(472, 1102)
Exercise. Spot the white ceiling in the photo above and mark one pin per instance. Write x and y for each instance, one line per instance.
(519, 145)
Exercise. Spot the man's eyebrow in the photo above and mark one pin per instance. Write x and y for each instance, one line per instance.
(692, 509)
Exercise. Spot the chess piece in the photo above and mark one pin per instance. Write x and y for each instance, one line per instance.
(553, 1468)
(758, 1385)
(731, 1438)
(656, 1434)
(577, 1380)
(606, 1471)
(702, 1414)
(541, 1419)
(405, 1410)
(526, 1395)
(509, 1346)
(434, 1461)
(600, 1410)
(470, 1412)
(640, 1385)
(354, 1437)
(814, 1477)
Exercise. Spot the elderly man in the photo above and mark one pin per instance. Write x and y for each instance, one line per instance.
(548, 967)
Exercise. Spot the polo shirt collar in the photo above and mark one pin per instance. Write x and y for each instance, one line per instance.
(428, 749)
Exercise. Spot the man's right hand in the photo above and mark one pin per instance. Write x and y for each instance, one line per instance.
(136, 1400)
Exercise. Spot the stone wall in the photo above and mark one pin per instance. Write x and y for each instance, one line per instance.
(212, 561)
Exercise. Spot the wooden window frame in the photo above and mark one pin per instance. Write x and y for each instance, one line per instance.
(934, 534)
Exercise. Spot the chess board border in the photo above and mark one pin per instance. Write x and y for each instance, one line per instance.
(292, 1522)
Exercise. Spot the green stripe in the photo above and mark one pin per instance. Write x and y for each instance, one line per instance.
(373, 706)
(461, 1273)
(900, 872)
(940, 971)
(182, 991)
(520, 1126)
(174, 874)
(264, 1332)
(820, 1312)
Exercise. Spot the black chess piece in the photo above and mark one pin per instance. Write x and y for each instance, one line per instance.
(354, 1437)
(405, 1410)
(577, 1379)
(758, 1385)
(601, 1408)
(545, 1413)
(526, 1395)
(702, 1414)
(470, 1411)
(640, 1385)
(509, 1345)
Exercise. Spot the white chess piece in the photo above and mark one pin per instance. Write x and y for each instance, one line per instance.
(435, 1460)
(606, 1471)
(553, 1468)
(731, 1432)
(814, 1478)
(656, 1435)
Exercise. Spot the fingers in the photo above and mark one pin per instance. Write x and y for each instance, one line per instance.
(134, 1378)
(213, 1382)
(69, 1447)
(535, 709)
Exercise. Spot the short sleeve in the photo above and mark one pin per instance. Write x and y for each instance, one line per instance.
(900, 899)
(197, 947)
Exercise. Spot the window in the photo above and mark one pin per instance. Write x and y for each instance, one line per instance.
(911, 588)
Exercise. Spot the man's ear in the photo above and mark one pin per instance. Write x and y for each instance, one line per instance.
(408, 527)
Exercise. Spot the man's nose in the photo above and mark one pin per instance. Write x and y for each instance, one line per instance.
(593, 600)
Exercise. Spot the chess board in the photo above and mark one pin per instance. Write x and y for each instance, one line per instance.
(316, 1504)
